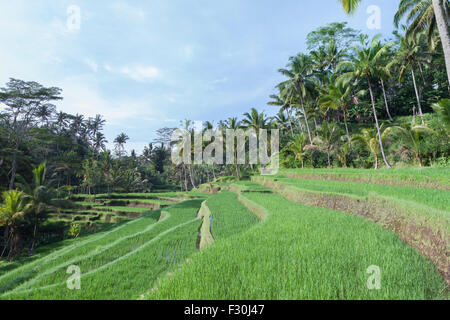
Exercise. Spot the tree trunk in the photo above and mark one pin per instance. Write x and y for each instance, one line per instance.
(236, 166)
(290, 124)
(306, 119)
(377, 124)
(214, 172)
(443, 32)
(34, 232)
(376, 162)
(329, 157)
(419, 158)
(185, 177)
(386, 102)
(191, 176)
(417, 95)
(346, 125)
(14, 165)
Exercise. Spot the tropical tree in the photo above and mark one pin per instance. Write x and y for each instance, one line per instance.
(408, 56)
(234, 124)
(329, 135)
(297, 145)
(120, 142)
(285, 106)
(39, 196)
(339, 95)
(442, 108)
(370, 138)
(255, 120)
(12, 217)
(99, 142)
(23, 100)
(350, 6)
(343, 152)
(412, 138)
(366, 65)
(299, 74)
(421, 15)
(429, 17)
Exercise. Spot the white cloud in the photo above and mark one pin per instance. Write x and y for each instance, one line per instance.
(124, 10)
(81, 96)
(140, 73)
(92, 64)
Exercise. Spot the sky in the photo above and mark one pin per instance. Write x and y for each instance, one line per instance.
(145, 65)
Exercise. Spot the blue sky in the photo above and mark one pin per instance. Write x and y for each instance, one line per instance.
(150, 64)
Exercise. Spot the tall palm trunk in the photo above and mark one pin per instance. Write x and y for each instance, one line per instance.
(185, 177)
(34, 232)
(290, 122)
(214, 172)
(344, 110)
(386, 102)
(419, 158)
(443, 32)
(329, 157)
(306, 117)
(417, 95)
(191, 176)
(377, 124)
(238, 176)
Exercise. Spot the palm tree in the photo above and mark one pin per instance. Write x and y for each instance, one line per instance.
(61, 120)
(338, 95)
(366, 65)
(12, 214)
(99, 142)
(281, 120)
(299, 74)
(429, 16)
(422, 15)
(350, 6)
(45, 112)
(327, 59)
(234, 124)
(406, 58)
(385, 75)
(412, 138)
(343, 152)
(120, 142)
(442, 108)
(297, 145)
(370, 139)
(329, 135)
(255, 120)
(277, 100)
(39, 196)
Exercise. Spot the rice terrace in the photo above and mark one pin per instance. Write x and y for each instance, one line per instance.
(336, 188)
